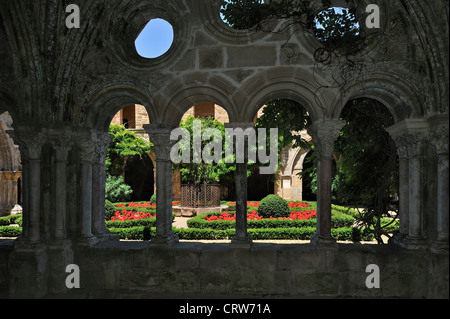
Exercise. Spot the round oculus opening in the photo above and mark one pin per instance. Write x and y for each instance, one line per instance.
(155, 39)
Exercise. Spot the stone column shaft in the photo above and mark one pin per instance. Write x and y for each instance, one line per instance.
(324, 134)
(34, 198)
(86, 199)
(60, 199)
(30, 142)
(440, 141)
(442, 198)
(98, 187)
(415, 198)
(160, 137)
(404, 196)
(241, 140)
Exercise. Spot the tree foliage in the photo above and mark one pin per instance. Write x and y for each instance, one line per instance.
(289, 117)
(343, 42)
(368, 165)
(203, 172)
(124, 145)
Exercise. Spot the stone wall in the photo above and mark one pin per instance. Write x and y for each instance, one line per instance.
(198, 270)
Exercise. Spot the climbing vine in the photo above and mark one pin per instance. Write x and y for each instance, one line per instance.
(343, 43)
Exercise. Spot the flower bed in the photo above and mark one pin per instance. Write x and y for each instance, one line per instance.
(130, 215)
(253, 215)
(214, 221)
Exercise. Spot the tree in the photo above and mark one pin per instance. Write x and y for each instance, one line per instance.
(203, 172)
(367, 165)
(289, 117)
(124, 145)
(343, 42)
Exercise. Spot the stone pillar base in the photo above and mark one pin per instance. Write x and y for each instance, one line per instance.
(323, 242)
(164, 241)
(245, 242)
(413, 243)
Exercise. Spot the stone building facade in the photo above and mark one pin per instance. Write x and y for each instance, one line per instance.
(62, 87)
(10, 170)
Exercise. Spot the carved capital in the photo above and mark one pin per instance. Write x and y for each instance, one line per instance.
(87, 143)
(61, 140)
(324, 134)
(409, 145)
(30, 142)
(160, 137)
(439, 139)
(103, 141)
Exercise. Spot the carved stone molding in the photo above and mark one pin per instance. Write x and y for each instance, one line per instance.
(30, 142)
(439, 139)
(324, 134)
(160, 137)
(102, 143)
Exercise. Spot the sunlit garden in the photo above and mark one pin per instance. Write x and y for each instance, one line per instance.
(291, 220)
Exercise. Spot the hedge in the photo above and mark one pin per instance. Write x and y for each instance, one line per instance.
(145, 233)
(131, 223)
(10, 231)
(200, 222)
(11, 219)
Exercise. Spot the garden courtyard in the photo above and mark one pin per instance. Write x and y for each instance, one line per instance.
(137, 221)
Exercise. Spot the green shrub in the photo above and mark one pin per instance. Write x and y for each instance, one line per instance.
(275, 206)
(131, 223)
(117, 190)
(110, 210)
(132, 233)
(199, 221)
(10, 231)
(153, 199)
(11, 219)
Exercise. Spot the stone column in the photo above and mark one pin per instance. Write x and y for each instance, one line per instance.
(160, 137)
(87, 143)
(98, 187)
(409, 138)
(403, 214)
(440, 142)
(30, 143)
(415, 202)
(324, 134)
(241, 140)
(59, 250)
(60, 192)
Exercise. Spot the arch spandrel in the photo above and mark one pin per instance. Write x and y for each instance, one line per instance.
(400, 97)
(183, 93)
(107, 102)
(299, 85)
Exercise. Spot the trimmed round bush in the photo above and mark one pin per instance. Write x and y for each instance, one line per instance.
(153, 199)
(273, 206)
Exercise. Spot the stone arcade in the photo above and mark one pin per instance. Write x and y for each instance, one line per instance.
(62, 87)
